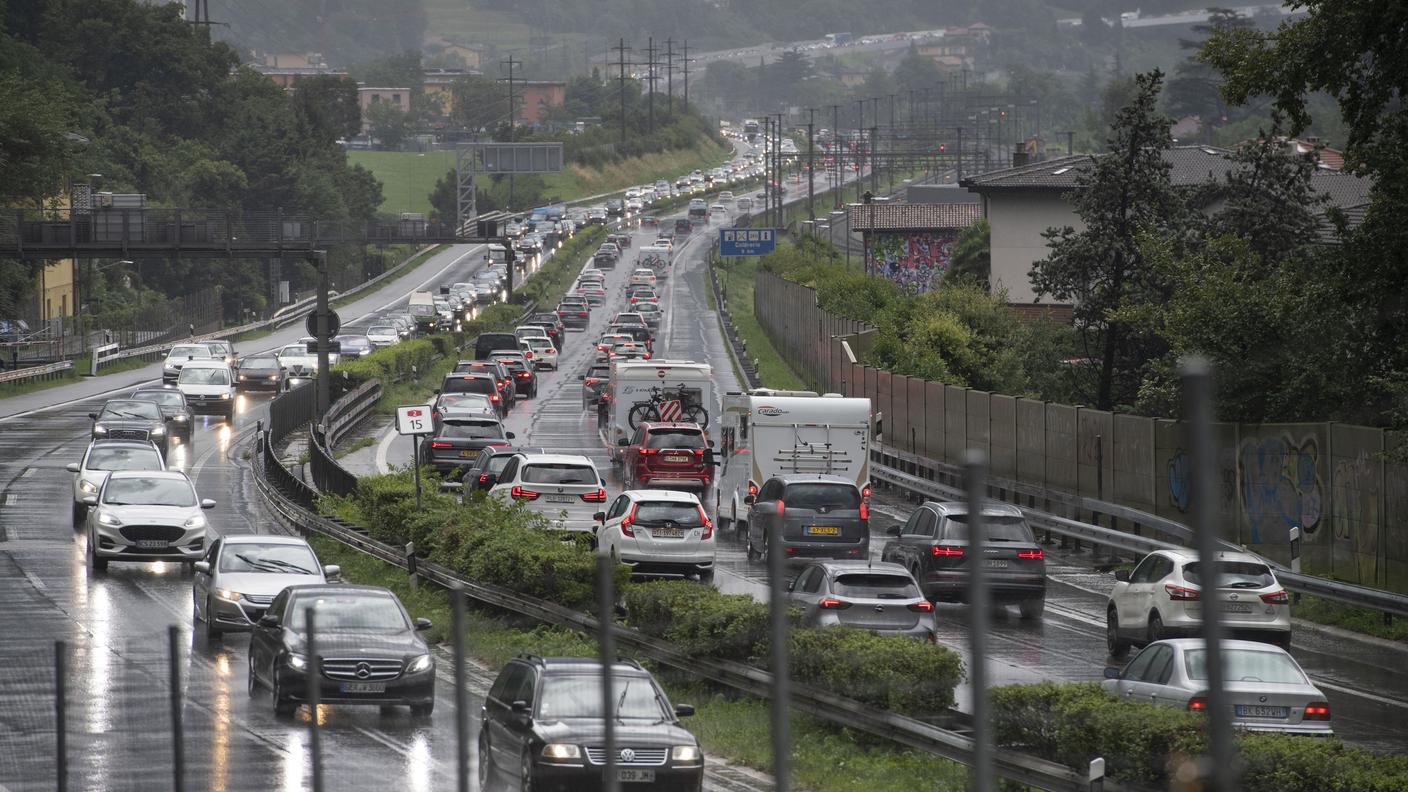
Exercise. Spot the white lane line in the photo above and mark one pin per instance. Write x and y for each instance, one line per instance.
(27, 472)
(382, 464)
(33, 579)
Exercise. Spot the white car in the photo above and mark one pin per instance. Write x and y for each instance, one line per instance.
(242, 573)
(643, 277)
(565, 489)
(383, 335)
(659, 532)
(525, 332)
(146, 515)
(100, 459)
(1267, 688)
(1163, 598)
(208, 387)
(544, 353)
(178, 357)
(299, 362)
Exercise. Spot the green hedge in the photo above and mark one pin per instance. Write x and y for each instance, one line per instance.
(549, 284)
(699, 619)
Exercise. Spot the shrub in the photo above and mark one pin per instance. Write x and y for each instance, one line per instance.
(1286, 763)
(890, 671)
(699, 619)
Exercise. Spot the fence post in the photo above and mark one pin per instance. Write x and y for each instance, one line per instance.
(606, 649)
(1295, 560)
(781, 671)
(178, 747)
(313, 694)
(461, 705)
(1096, 775)
(975, 471)
(61, 715)
(411, 564)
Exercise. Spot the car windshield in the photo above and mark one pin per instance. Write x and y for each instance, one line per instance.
(194, 351)
(470, 385)
(142, 410)
(204, 376)
(382, 330)
(166, 398)
(277, 558)
(294, 350)
(579, 696)
(685, 515)
(464, 401)
(674, 438)
(816, 496)
(539, 343)
(1000, 527)
(139, 491)
(473, 430)
(1235, 574)
(559, 473)
(260, 362)
(876, 586)
(349, 613)
(124, 458)
(1247, 665)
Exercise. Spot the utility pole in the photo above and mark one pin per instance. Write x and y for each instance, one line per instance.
(860, 139)
(811, 170)
(960, 154)
(836, 153)
(512, 115)
(889, 161)
(650, 77)
(777, 153)
(323, 324)
(687, 60)
(621, 50)
(670, 75)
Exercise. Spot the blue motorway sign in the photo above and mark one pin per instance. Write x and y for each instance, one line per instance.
(746, 241)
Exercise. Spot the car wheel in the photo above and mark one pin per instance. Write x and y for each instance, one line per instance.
(486, 761)
(282, 705)
(212, 632)
(1156, 628)
(98, 563)
(706, 576)
(253, 682)
(525, 773)
(1117, 646)
(423, 710)
(1032, 607)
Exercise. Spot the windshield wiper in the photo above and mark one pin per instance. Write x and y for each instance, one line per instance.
(278, 564)
(622, 701)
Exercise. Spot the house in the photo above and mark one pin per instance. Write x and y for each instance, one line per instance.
(536, 98)
(911, 245)
(438, 87)
(400, 98)
(853, 79)
(468, 55)
(1022, 202)
(286, 76)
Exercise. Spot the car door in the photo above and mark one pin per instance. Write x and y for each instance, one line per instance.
(1133, 603)
(201, 581)
(803, 592)
(1131, 683)
(516, 736)
(761, 519)
(917, 537)
(611, 530)
(1157, 676)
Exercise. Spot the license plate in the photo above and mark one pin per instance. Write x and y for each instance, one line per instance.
(1259, 711)
(672, 533)
(559, 499)
(996, 563)
(631, 775)
(677, 459)
(823, 530)
(152, 544)
(1236, 607)
(363, 687)
(470, 454)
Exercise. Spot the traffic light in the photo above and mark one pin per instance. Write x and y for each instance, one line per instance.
(942, 148)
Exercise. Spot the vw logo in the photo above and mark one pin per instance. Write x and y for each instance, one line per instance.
(628, 755)
(1231, 596)
(364, 670)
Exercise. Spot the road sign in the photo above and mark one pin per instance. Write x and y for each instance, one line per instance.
(746, 241)
(334, 323)
(334, 347)
(413, 420)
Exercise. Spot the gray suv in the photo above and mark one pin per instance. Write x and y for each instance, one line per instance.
(818, 516)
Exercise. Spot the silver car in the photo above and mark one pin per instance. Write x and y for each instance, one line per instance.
(145, 515)
(879, 597)
(177, 357)
(1267, 689)
(242, 573)
(101, 458)
(565, 489)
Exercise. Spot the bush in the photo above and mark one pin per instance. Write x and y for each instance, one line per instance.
(1286, 763)
(699, 619)
(889, 671)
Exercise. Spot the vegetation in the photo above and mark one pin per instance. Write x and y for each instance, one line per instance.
(1348, 617)
(737, 277)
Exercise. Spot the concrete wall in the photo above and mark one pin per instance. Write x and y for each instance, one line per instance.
(1018, 220)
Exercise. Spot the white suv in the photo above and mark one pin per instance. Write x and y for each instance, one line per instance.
(566, 489)
(1163, 598)
(208, 387)
(659, 532)
(146, 515)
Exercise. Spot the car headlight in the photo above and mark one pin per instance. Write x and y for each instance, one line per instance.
(561, 751)
(686, 754)
(196, 521)
(229, 596)
(298, 662)
(183, 417)
(109, 519)
(169, 366)
(100, 429)
(273, 376)
(243, 378)
(225, 395)
(423, 663)
(160, 430)
(87, 487)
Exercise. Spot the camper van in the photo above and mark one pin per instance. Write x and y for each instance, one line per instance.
(765, 433)
(633, 381)
(422, 307)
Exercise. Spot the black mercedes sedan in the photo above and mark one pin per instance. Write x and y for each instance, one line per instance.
(370, 648)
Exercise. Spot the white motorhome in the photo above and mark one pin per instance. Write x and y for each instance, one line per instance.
(764, 433)
(632, 382)
(422, 307)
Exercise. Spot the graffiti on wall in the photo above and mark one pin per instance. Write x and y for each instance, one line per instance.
(1356, 495)
(1281, 487)
(914, 261)
(1180, 480)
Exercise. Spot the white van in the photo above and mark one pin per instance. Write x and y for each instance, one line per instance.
(632, 382)
(422, 307)
(764, 433)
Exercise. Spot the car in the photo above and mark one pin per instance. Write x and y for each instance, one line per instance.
(595, 296)
(621, 241)
(674, 455)
(814, 516)
(652, 312)
(544, 353)
(596, 215)
(483, 474)
(131, 419)
(180, 421)
(101, 458)
(262, 371)
(462, 405)
(299, 362)
(638, 331)
(178, 356)
(683, 226)
(628, 350)
(484, 343)
(575, 314)
(530, 331)
(1267, 688)
(145, 515)
(604, 260)
(208, 387)
(557, 332)
(486, 383)
(628, 318)
(541, 725)
(882, 598)
(718, 213)
(522, 371)
(635, 295)
(644, 276)
(566, 489)
(239, 577)
(1162, 597)
(371, 648)
(726, 197)
(615, 207)
(933, 545)
(499, 371)
(659, 532)
(222, 350)
(383, 335)
(594, 383)
(457, 442)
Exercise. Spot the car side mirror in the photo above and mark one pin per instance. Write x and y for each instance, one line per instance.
(332, 572)
(1122, 575)
(1111, 672)
(749, 500)
(423, 624)
(684, 710)
(436, 391)
(623, 442)
(202, 567)
(90, 500)
(893, 530)
(269, 620)
(599, 517)
(510, 435)
(92, 416)
(522, 713)
(207, 503)
(71, 467)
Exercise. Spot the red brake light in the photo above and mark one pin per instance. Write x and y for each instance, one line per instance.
(595, 497)
(831, 603)
(438, 444)
(865, 491)
(1317, 711)
(1036, 554)
(1197, 704)
(752, 488)
(780, 507)
(628, 521)
(524, 375)
(523, 494)
(528, 355)
(864, 510)
(494, 398)
(1182, 593)
(708, 524)
(483, 478)
(923, 606)
(945, 551)
(1276, 598)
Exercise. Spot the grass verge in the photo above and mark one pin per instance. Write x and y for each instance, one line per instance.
(355, 446)
(737, 277)
(409, 263)
(825, 758)
(1348, 617)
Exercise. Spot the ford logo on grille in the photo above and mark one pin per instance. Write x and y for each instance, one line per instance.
(364, 670)
(628, 755)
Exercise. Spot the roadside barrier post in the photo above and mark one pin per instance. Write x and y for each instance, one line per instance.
(61, 714)
(781, 671)
(461, 705)
(411, 564)
(975, 470)
(1097, 774)
(606, 649)
(178, 747)
(315, 668)
(1295, 559)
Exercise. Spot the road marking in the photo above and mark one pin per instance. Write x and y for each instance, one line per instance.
(27, 472)
(383, 465)
(33, 579)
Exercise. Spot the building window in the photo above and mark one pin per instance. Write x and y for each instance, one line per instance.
(63, 305)
(396, 98)
(48, 309)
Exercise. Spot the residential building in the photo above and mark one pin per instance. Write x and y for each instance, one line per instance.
(536, 98)
(286, 76)
(400, 98)
(911, 245)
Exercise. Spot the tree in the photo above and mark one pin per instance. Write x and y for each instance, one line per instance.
(972, 255)
(388, 124)
(328, 107)
(1101, 268)
(1193, 88)
(478, 103)
(916, 72)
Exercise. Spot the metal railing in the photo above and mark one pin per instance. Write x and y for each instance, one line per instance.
(46, 371)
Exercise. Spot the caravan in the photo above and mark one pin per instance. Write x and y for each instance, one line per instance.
(637, 383)
(766, 433)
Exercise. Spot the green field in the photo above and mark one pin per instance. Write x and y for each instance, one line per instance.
(407, 177)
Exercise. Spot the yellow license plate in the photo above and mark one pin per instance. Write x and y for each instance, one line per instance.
(469, 454)
(823, 530)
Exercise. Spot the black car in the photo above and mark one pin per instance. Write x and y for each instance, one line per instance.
(484, 473)
(458, 442)
(524, 376)
(131, 419)
(814, 515)
(542, 726)
(683, 226)
(180, 420)
(594, 383)
(615, 207)
(604, 261)
(263, 371)
(575, 314)
(354, 345)
(637, 332)
(557, 331)
(498, 370)
(370, 650)
(484, 343)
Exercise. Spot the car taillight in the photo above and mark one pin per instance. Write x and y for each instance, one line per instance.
(483, 478)
(780, 508)
(628, 521)
(523, 494)
(1035, 555)
(1276, 598)
(946, 551)
(831, 603)
(708, 524)
(494, 398)
(752, 489)
(923, 606)
(865, 491)
(583, 313)
(649, 451)
(1182, 593)
(864, 510)
(524, 375)
(595, 497)
(1197, 704)
(500, 445)
(647, 356)
(528, 355)
(438, 444)
(1317, 711)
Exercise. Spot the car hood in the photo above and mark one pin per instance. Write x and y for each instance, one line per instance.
(248, 371)
(366, 645)
(152, 515)
(203, 390)
(142, 424)
(264, 583)
(591, 731)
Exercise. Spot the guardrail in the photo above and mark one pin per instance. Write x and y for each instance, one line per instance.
(46, 371)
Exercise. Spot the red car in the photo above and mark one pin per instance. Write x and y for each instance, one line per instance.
(676, 455)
